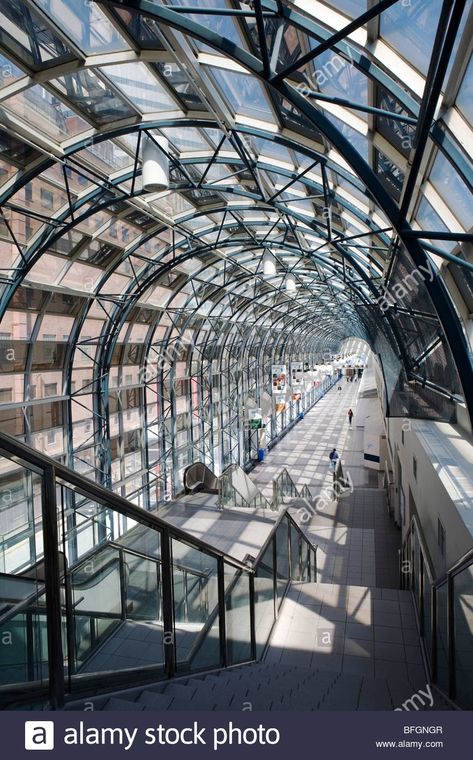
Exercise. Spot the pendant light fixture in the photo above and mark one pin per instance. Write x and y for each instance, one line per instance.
(269, 264)
(290, 284)
(155, 164)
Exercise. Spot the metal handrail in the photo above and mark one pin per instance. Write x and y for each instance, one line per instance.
(465, 561)
(19, 452)
(258, 495)
(254, 565)
(302, 493)
(54, 473)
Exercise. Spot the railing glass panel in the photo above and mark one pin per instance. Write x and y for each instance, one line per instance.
(264, 599)
(462, 588)
(195, 590)
(236, 489)
(23, 621)
(237, 616)
(282, 557)
(295, 554)
(128, 598)
(442, 637)
(21, 537)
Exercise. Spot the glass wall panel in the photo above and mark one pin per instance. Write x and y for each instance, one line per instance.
(282, 558)
(23, 616)
(264, 599)
(463, 629)
(237, 616)
(196, 611)
(442, 637)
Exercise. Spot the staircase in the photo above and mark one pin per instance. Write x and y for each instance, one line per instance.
(265, 686)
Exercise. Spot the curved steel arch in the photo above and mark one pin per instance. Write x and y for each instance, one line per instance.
(436, 288)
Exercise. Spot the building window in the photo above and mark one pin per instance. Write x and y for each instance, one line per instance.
(402, 437)
(50, 389)
(47, 198)
(441, 537)
(414, 467)
(6, 395)
(51, 436)
(5, 336)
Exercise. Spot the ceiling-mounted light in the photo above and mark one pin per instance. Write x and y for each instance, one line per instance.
(269, 264)
(155, 164)
(290, 283)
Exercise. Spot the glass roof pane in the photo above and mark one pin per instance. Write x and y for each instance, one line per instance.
(186, 139)
(465, 95)
(352, 8)
(144, 30)
(271, 149)
(332, 74)
(8, 72)
(86, 24)
(410, 29)
(453, 190)
(46, 113)
(428, 219)
(93, 97)
(177, 79)
(244, 93)
(358, 141)
(141, 87)
(24, 32)
(105, 156)
(222, 25)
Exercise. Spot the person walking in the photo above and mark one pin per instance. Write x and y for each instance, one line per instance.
(350, 416)
(333, 456)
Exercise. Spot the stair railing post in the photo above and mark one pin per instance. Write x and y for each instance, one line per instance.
(53, 589)
(168, 612)
(221, 611)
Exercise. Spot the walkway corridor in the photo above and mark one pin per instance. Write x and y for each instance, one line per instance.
(354, 620)
(347, 642)
(305, 449)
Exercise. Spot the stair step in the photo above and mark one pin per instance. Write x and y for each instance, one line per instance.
(114, 703)
(180, 691)
(154, 701)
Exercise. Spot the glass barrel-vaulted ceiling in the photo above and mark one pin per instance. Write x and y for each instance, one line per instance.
(336, 137)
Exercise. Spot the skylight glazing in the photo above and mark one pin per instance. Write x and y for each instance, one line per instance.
(325, 153)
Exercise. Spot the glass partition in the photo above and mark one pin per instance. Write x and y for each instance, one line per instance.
(282, 558)
(23, 601)
(441, 637)
(237, 616)
(196, 612)
(296, 561)
(264, 599)
(236, 489)
(462, 589)
(124, 597)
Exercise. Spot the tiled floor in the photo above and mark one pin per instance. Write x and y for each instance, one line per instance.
(235, 532)
(305, 450)
(362, 630)
(355, 620)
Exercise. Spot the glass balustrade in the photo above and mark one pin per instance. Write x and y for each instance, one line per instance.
(236, 489)
(95, 590)
(445, 614)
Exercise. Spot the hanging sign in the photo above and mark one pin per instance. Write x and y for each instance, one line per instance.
(278, 375)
